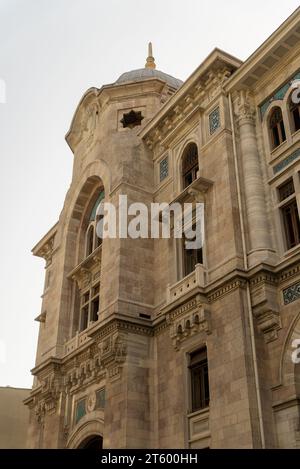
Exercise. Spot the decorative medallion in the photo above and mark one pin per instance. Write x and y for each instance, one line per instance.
(91, 401)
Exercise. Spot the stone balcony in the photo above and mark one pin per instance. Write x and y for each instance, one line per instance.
(81, 338)
(187, 286)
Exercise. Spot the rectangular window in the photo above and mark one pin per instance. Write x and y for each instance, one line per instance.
(90, 306)
(191, 257)
(199, 380)
(291, 223)
(286, 189)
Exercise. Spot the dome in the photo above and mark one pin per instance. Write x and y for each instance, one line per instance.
(146, 73)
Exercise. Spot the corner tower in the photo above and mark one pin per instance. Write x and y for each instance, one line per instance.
(93, 374)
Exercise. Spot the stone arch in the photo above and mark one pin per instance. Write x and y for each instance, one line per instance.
(80, 199)
(83, 432)
(266, 122)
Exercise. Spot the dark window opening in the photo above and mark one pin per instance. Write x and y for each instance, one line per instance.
(84, 318)
(132, 119)
(277, 128)
(291, 224)
(90, 241)
(295, 113)
(286, 189)
(95, 309)
(199, 380)
(191, 258)
(190, 165)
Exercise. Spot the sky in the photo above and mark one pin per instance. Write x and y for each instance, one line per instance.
(51, 52)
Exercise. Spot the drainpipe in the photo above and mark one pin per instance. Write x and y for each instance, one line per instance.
(253, 346)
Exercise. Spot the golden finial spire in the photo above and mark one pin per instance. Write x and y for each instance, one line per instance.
(150, 63)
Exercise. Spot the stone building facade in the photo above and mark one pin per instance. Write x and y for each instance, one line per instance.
(143, 344)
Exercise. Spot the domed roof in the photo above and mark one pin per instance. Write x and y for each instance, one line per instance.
(148, 72)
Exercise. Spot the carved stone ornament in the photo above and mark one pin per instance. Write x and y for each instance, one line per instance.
(91, 402)
(189, 324)
(245, 109)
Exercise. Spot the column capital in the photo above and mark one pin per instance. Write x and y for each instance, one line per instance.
(244, 108)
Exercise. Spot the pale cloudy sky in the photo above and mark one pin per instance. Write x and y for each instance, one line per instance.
(51, 51)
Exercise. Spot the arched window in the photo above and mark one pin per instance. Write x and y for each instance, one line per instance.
(277, 130)
(190, 165)
(92, 239)
(294, 108)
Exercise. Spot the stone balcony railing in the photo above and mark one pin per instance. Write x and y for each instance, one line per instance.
(77, 341)
(187, 284)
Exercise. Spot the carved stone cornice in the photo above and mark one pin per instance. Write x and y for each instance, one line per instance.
(188, 320)
(45, 247)
(226, 288)
(199, 95)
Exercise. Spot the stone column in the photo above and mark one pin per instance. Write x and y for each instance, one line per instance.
(260, 248)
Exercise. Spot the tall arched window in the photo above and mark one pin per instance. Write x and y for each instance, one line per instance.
(277, 130)
(190, 165)
(294, 109)
(92, 239)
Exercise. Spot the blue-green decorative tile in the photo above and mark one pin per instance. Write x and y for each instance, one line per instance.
(291, 293)
(287, 161)
(278, 95)
(163, 169)
(214, 120)
(80, 410)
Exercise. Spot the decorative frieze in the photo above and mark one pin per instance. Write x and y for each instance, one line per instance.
(226, 289)
(286, 161)
(278, 95)
(190, 325)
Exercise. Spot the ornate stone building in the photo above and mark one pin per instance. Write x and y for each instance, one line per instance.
(143, 343)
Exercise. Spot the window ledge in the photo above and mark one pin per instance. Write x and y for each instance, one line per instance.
(277, 151)
(204, 412)
(291, 251)
(200, 185)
